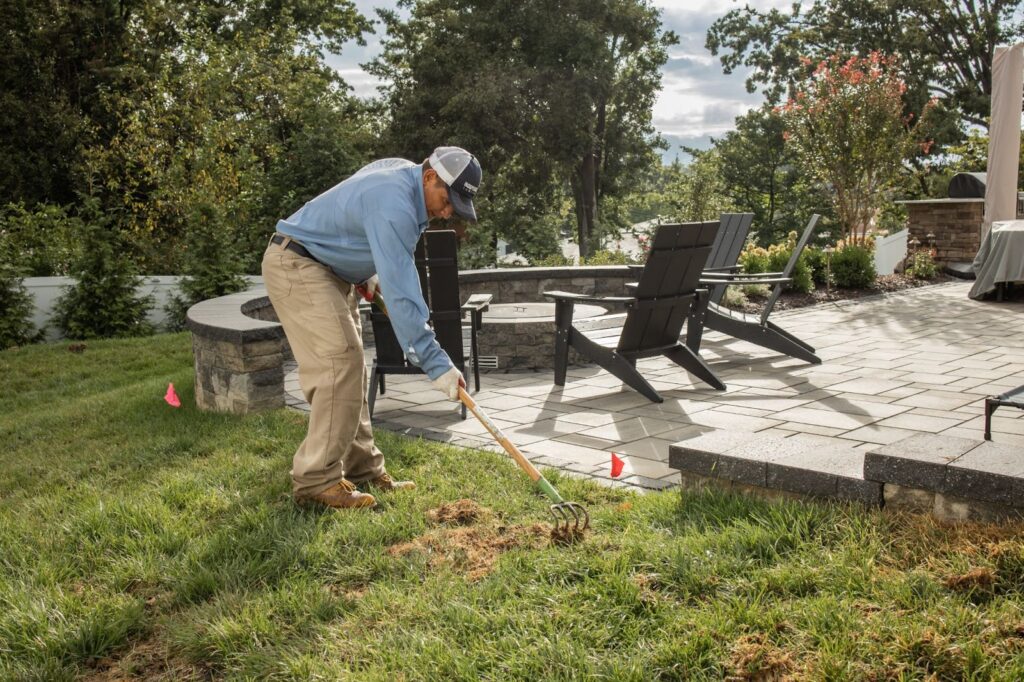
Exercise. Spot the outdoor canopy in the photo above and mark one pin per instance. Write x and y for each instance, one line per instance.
(1002, 260)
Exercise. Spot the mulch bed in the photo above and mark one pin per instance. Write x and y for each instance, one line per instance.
(883, 285)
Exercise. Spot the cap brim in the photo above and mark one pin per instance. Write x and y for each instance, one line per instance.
(462, 205)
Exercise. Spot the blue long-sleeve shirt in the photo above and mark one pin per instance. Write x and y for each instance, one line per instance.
(369, 224)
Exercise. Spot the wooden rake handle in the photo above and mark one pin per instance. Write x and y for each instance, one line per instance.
(511, 449)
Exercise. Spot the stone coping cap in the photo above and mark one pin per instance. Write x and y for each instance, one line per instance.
(943, 200)
(797, 465)
(225, 318)
(566, 272)
(961, 467)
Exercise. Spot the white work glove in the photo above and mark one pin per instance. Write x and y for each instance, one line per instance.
(372, 286)
(449, 382)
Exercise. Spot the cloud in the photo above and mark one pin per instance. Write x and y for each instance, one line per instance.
(697, 100)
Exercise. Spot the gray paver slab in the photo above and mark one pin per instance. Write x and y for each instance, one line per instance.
(916, 462)
(991, 472)
(920, 422)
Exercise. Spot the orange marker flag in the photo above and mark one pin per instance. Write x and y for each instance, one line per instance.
(617, 465)
(171, 397)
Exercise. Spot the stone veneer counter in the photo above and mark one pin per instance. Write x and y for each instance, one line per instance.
(522, 335)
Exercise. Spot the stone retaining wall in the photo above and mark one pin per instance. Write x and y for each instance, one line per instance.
(954, 223)
(519, 285)
(240, 347)
(239, 350)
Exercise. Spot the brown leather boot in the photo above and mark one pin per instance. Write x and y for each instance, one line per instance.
(343, 495)
(385, 483)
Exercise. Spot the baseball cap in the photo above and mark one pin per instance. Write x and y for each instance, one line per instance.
(460, 170)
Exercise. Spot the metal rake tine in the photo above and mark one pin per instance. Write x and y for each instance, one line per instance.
(577, 511)
(562, 519)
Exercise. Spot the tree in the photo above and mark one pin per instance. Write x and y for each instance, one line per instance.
(558, 99)
(154, 107)
(847, 126)
(761, 174)
(947, 44)
(103, 302)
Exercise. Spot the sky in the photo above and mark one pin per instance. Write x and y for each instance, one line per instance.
(697, 101)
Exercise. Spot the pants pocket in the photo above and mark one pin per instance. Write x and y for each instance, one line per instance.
(275, 276)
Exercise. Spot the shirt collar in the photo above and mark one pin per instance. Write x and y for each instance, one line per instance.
(419, 199)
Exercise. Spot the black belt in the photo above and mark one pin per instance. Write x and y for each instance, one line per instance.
(293, 246)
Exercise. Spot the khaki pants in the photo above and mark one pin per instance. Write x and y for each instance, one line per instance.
(320, 316)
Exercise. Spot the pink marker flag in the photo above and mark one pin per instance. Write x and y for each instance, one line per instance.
(171, 397)
(617, 465)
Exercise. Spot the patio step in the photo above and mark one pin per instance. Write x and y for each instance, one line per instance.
(957, 479)
(773, 463)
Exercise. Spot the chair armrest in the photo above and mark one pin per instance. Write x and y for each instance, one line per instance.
(765, 280)
(708, 274)
(478, 302)
(726, 269)
(584, 298)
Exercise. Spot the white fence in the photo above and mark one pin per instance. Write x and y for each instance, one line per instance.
(890, 252)
(46, 290)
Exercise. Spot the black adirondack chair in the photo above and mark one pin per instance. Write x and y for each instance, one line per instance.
(438, 268)
(725, 252)
(666, 295)
(756, 329)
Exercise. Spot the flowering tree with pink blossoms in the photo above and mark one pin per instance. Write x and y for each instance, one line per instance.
(849, 128)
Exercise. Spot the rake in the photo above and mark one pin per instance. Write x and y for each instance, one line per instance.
(570, 518)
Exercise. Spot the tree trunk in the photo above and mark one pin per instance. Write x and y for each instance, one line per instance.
(586, 204)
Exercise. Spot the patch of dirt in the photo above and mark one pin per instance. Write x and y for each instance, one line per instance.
(459, 513)
(973, 579)
(473, 551)
(755, 659)
(470, 538)
(566, 536)
(146, 660)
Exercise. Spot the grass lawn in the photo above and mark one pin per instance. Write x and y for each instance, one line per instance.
(138, 540)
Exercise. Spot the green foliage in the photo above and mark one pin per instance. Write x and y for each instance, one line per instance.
(44, 238)
(853, 267)
(757, 259)
(947, 45)
(606, 257)
(103, 302)
(156, 107)
(815, 259)
(699, 193)
(761, 174)
(847, 126)
(16, 328)
(554, 260)
(922, 266)
(558, 102)
(213, 266)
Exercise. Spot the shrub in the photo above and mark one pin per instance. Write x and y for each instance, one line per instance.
(44, 238)
(103, 301)
(606, 257)
(16, 328)
(815, 258)
(853, 267)
(555, 260)
(922, 266)
(756, 259)
(213, 266)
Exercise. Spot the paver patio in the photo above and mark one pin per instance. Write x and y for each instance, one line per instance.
(921, 360)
